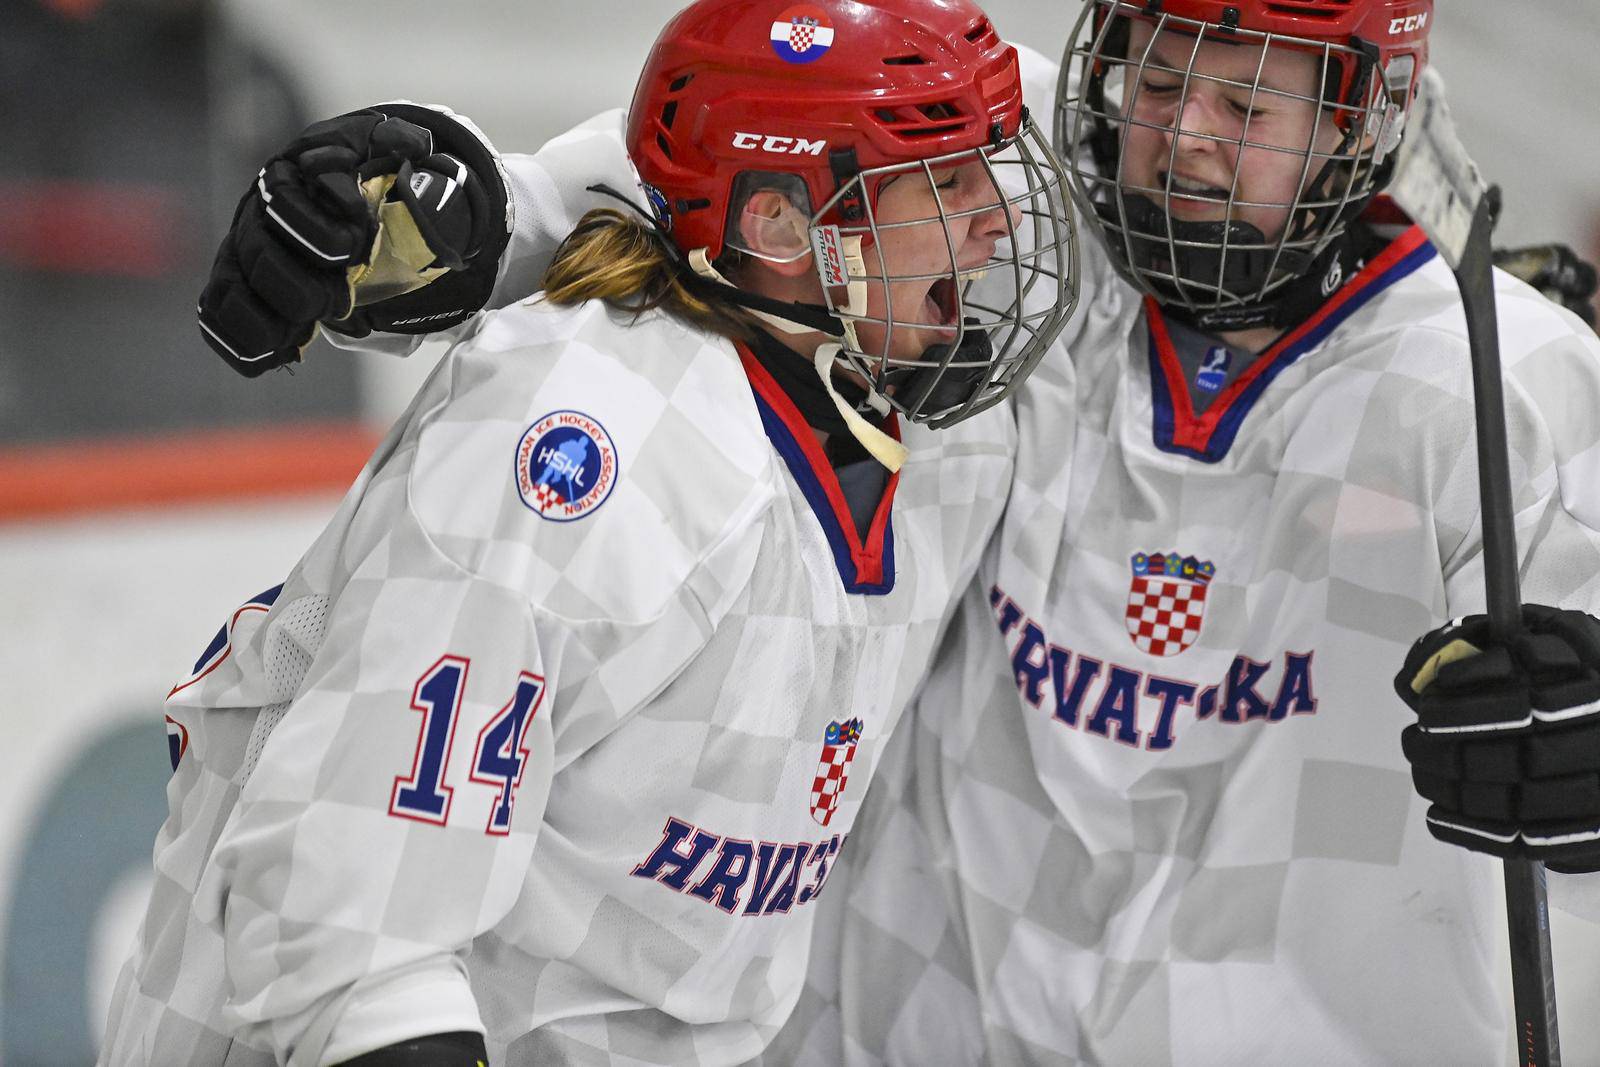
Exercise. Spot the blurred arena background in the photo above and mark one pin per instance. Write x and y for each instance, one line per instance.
(145, 491)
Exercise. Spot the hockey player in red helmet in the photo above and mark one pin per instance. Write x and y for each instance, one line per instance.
(1226, 148)
(897, 96)
(545, 749)
(1207, 799)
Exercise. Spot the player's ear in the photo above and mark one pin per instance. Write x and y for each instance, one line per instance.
(775, 230)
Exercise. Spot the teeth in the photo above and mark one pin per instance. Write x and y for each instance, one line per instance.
(972, 275)
(1178, 185)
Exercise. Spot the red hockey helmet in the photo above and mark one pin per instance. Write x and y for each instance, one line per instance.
(1191, 244)
(828, 101)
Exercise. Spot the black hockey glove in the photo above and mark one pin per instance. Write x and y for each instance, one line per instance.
(346, 226)
(463, 1048)
(1506, 746)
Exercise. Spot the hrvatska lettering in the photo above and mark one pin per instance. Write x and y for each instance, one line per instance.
(739, 877)
(1137, 709)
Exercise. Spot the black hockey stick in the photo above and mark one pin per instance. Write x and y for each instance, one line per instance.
(1439, 186)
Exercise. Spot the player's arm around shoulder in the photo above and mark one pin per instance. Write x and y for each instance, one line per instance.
(547, 192)
(552, 188)
(388, 224)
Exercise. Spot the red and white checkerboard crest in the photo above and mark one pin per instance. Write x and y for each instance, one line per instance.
(802, 34)
(838, 749)
(1167, 601)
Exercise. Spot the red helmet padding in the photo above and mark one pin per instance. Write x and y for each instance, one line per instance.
(903, 80)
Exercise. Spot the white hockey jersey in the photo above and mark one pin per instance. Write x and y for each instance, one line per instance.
(558, 728)
(1156, 774)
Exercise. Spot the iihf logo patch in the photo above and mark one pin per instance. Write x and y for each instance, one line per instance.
(1213, 372)
(802, 34)
(566, 466)
(1167, 601)
(838, 749)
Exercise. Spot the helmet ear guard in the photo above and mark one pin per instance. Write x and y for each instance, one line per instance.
(777, 238)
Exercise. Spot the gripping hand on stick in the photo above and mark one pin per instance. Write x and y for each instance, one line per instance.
(1506, 746)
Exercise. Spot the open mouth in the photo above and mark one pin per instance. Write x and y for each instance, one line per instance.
(942, 302)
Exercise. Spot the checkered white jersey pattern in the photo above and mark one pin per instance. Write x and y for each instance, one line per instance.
(1086, 895)
(694, 640)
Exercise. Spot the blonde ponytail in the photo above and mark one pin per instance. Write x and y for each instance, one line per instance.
(620, 259)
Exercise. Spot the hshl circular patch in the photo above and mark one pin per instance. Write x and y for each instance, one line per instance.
(566, 466)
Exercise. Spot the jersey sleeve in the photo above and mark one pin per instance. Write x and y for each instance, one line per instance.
(549, 192)
(1552, 371)
(470, 646)
(1552, 395)
(390, 813)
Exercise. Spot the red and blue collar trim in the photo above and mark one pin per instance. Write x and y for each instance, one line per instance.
(1208, 437)
(866, 568)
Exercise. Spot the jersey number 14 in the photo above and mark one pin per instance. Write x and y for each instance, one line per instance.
(498, 759)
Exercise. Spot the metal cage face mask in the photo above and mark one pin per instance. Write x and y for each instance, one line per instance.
(988, 275)
(1266, 173)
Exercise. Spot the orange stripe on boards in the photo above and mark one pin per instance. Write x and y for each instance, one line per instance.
(63, 479)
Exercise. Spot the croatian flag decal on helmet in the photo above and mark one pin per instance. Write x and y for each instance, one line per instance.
(566, 466)
(802, 34)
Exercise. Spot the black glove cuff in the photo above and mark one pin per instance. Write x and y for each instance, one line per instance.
(456, 296)
(463, 1048)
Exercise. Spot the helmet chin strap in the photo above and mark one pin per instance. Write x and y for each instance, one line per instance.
(879, 445)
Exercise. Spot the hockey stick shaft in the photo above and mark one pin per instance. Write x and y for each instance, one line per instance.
(1527, 909)
(1439, 186)
(1476, 282)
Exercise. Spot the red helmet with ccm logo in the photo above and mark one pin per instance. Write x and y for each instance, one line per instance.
(827, 102)
(1224, 271)
(818, 90)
